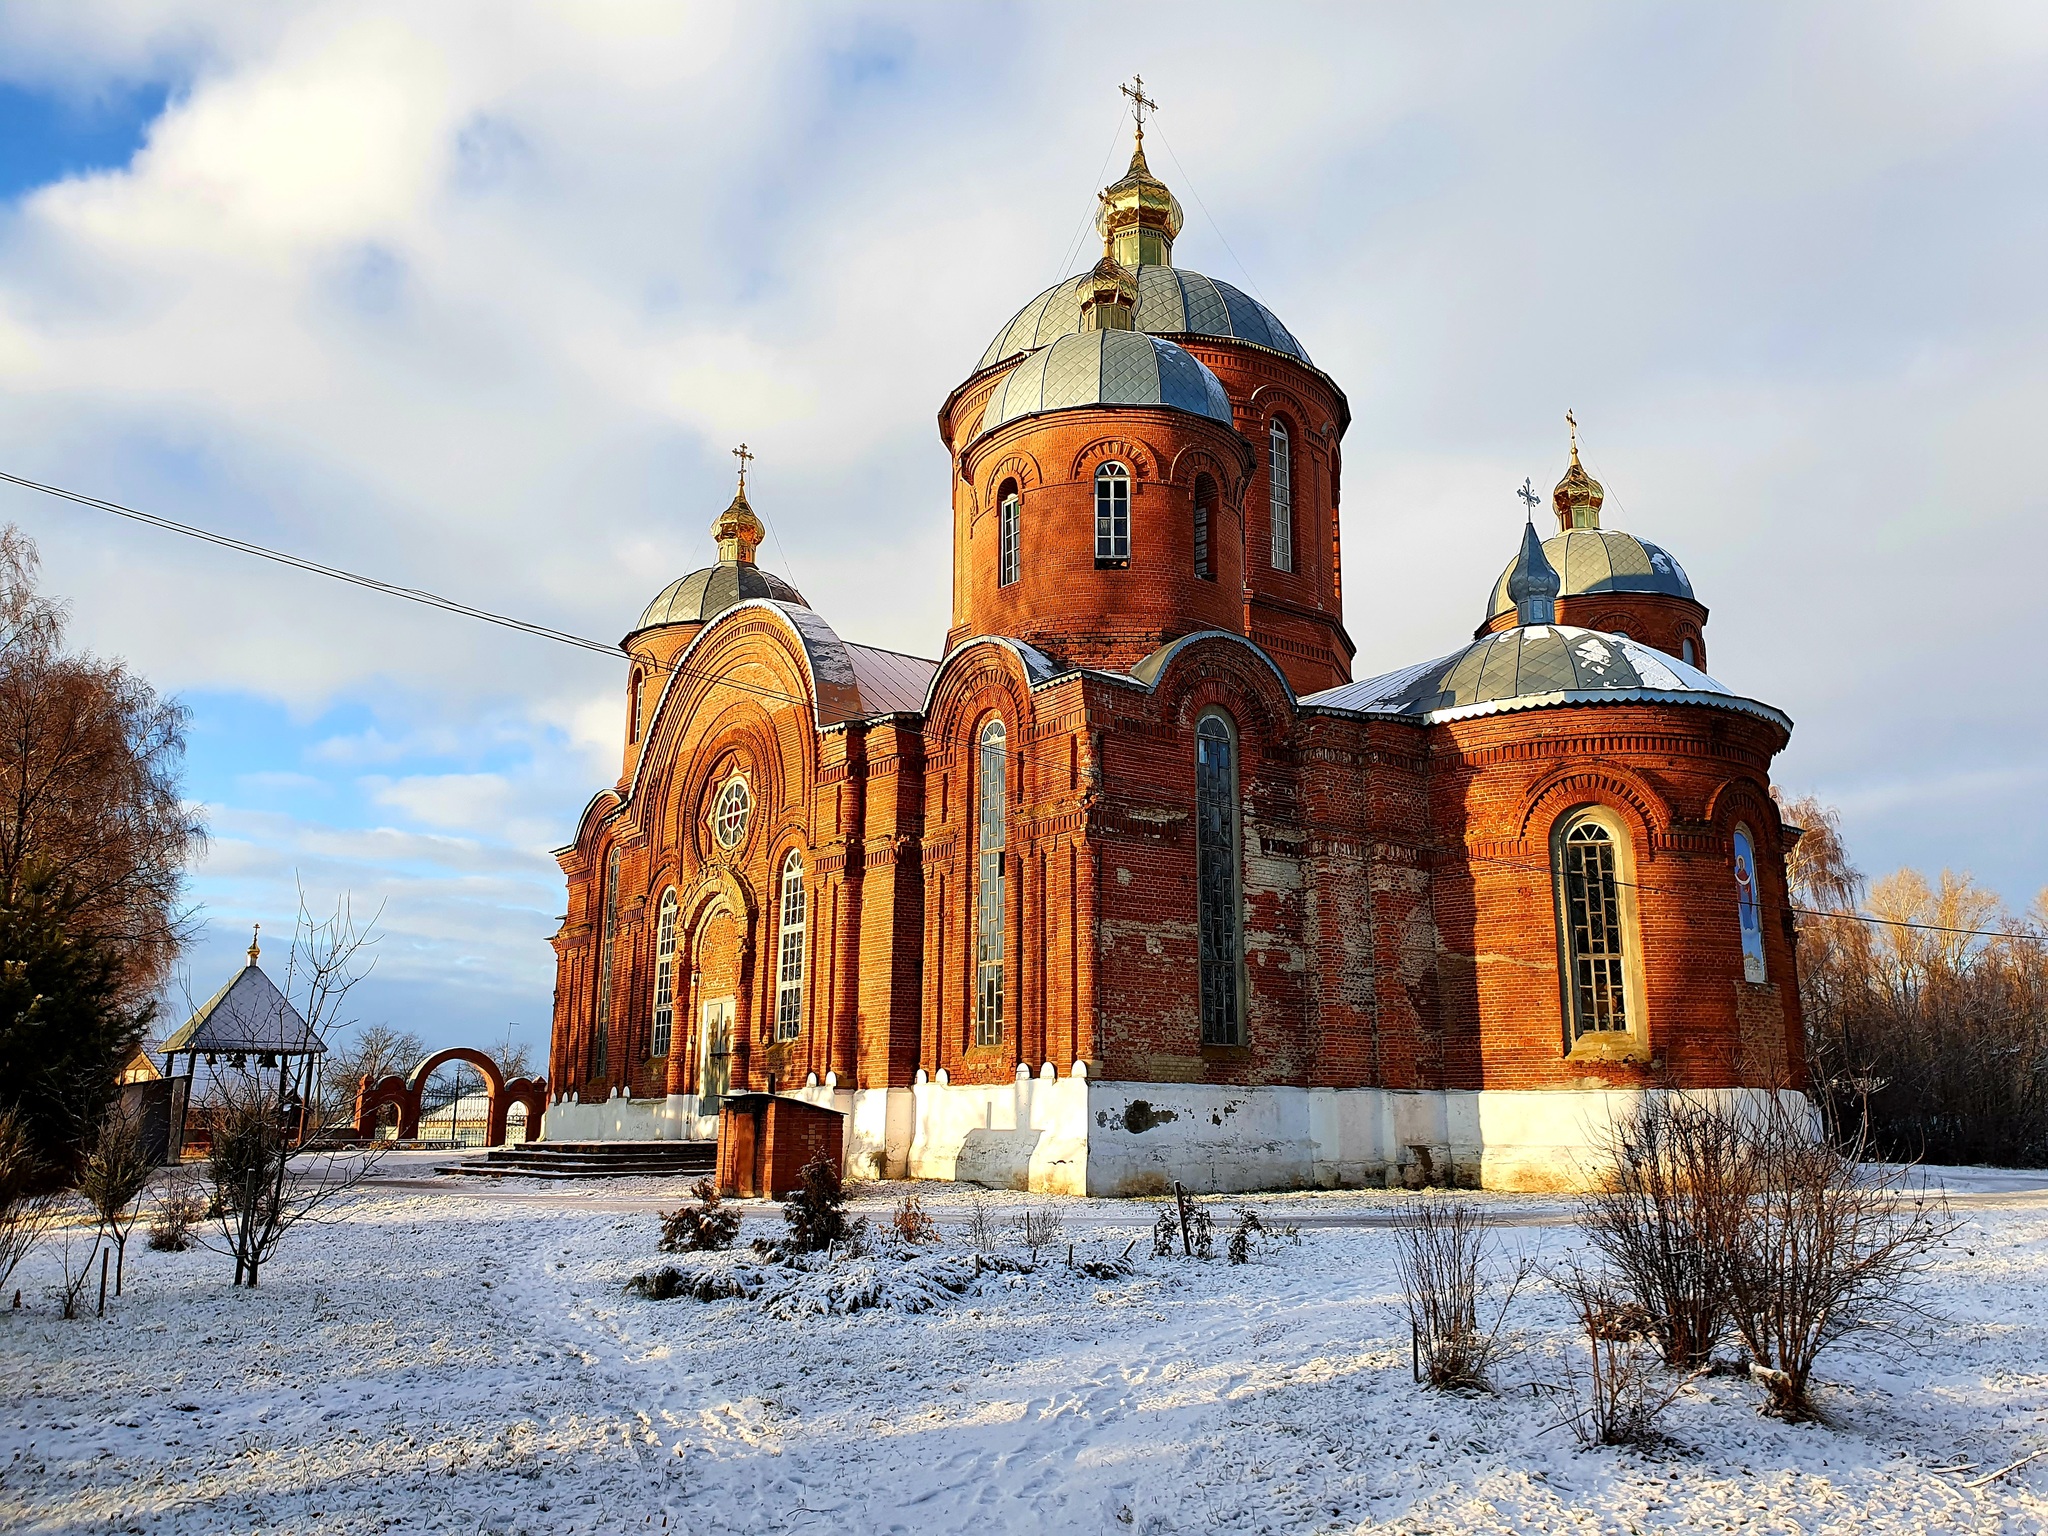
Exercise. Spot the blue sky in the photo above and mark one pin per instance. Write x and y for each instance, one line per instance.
(475, 297)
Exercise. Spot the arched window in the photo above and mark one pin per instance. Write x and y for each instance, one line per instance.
(1688, 652)
(1280, 494)
(608, 924)
(1007, 516)
(1205, 520)
(663, 1033)
(1112, 515)
(789, 975)
(636, 710)
(1591, 877)
(992, 776)
(1218, 904)
(1749, 910)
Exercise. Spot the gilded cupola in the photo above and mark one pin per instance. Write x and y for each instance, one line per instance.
(1578, 495)
(1140, 218)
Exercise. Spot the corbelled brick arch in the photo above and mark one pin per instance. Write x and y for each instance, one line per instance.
(404, 1093)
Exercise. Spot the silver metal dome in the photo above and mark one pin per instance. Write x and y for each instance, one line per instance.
(1107, 368)
(703, 595)
(1171, 302)
(1542, 664)
(1590, 560)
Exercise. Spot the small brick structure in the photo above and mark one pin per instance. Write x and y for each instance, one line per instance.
(764, 1141)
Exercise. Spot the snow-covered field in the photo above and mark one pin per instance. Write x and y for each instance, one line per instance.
(464, 1359)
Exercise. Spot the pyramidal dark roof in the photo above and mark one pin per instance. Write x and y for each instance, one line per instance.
(249, 1015)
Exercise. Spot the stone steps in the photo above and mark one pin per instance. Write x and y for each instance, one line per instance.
(592, 1160)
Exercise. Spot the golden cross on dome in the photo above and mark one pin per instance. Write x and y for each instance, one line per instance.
(1140, 102)
(1573, 422)
(743, 454)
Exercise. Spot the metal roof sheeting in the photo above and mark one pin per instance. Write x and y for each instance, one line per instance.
(1172, 301)
(1590, 560)
(248, 1015)
(1107, 368)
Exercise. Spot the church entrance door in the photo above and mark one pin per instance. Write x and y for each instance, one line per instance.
(714, 1077)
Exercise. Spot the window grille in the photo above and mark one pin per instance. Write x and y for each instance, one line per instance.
(730, 811)
(993, 774)
(663, 1033)
(1593, 924)
(600, 1050)
(789, 982)
(1112, 515)
(1216, 881)
(1280, 495)
(639, 701)
(1006, 554)
(1205, 512)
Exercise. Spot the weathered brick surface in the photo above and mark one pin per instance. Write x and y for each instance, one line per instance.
(1400, 913)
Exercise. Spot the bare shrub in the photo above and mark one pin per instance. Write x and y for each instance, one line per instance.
(1828, 1249)
(1668, 1217)
(1440, 1253)
(1623, 1393)
(1040, 1228)
(1251, 1235)
(1166, 1233)
(260, 1190)
(912, 1222)
(28, 1208)
(179, 1207)
(706, 1227)
(117, 1169)
(77, 1248)
(981, 1225)
(1201, 1232)
(816, 1213)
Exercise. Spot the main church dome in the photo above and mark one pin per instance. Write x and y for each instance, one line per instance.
(703, 595)
(1171, 302)
(1107, 368)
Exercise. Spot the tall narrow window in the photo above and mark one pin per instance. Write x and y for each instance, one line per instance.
(991, 788)
(608, 921)
(1688, 652)
(1280, 494)
(789, 975)
(1216, 883)
(1112, 515)
(1007, 563)
(663, 1033)
(1205, 518)
(1749, 910)
(636, 711)
(1594, 929)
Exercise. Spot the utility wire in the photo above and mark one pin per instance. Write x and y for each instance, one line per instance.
(1526, 860)
(564, 637)
(1081, 229)
(1189, 182)
(388, 589)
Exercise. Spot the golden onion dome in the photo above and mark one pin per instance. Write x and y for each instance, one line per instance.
(1577, 498)
(1139, 216)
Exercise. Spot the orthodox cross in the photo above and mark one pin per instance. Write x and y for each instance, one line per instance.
(1528, 495)
(1140, 102)
(743, 455)
(1573, 422)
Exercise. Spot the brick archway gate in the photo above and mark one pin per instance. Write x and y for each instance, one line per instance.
(403, 1094)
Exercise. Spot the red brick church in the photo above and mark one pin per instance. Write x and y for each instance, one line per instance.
(1135, 883)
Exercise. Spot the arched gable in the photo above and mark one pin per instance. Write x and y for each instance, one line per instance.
(1621, 789)
(1143, 461)
(972, 671)
(1214, 666)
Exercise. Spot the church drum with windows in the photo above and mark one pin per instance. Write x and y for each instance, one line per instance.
(1135, 883)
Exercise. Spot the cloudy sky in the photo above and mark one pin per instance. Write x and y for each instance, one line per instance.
(476, 297)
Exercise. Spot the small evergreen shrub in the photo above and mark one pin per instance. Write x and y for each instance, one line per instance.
(709, 1226)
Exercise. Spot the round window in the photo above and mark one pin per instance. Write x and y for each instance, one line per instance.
(729, 813)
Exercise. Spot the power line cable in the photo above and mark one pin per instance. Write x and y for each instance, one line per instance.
(1081, 229)
(388, 589)
(1527, 860)
(1189, 182)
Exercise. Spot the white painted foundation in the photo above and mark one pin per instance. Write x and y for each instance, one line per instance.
(1068, 1135)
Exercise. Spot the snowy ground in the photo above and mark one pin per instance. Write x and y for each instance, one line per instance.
(449, 1358)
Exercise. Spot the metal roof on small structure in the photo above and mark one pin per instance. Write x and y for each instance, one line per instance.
(248, 1015)
(704, 595)
(1533, 667)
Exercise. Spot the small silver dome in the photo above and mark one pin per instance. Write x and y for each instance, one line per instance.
(1107, 368)
(1532, 667)
(1590, 560)
(1171, 302)
(705, 594)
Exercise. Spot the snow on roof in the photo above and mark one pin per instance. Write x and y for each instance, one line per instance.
(247, 1015)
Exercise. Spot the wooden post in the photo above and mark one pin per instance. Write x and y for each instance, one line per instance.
(103, 1282)
(1180, 1195)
